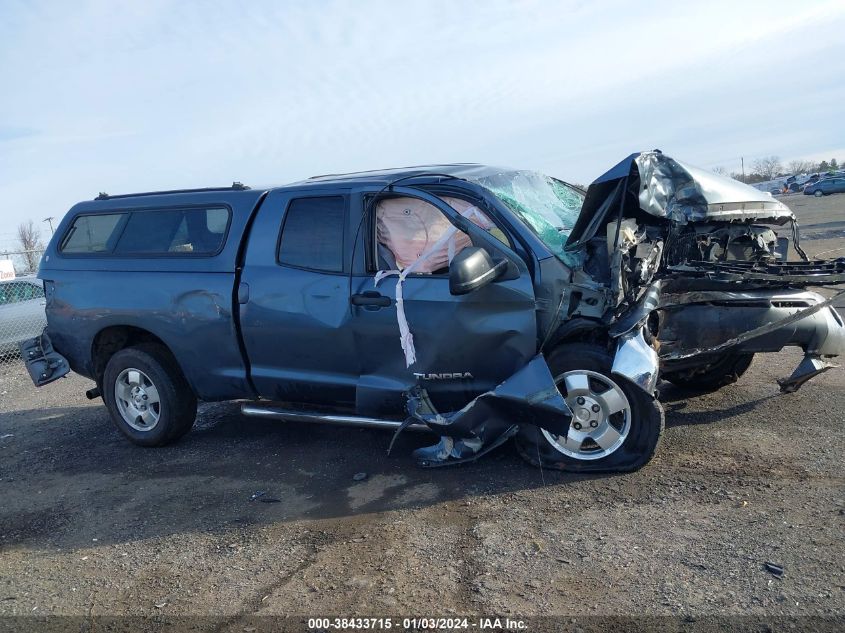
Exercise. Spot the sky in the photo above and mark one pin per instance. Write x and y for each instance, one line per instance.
(133, 96)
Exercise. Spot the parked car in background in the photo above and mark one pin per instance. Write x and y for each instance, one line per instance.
(825, 186)
(21, 313)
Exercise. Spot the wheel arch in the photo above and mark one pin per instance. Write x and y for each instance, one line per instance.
(110, 340)
(578, 330)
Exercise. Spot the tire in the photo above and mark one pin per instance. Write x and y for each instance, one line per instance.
(818, 193)
(712, 377)
(147, 396)
(641, 423)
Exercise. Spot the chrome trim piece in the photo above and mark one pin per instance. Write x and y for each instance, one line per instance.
(278, 413)
(637, 361)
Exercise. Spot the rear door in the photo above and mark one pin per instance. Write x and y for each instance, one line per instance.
(465, 345)
(294, 298)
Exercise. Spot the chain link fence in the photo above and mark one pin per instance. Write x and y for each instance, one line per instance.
(21, 302)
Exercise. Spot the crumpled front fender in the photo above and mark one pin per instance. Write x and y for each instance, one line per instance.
(530, 396)
(637, 361)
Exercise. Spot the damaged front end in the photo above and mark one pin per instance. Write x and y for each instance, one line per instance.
(694, 257)
(674, 273)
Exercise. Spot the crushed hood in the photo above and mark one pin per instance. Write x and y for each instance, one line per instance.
(658, 185)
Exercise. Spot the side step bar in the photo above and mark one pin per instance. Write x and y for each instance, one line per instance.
(292, 415)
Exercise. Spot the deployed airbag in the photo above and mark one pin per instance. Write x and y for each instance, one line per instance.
(412, 225)
(409, 227)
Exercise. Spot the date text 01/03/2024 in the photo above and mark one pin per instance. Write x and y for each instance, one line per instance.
(416, 623)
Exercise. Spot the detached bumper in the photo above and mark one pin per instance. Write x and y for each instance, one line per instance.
(717, 317)
(43, 363)
(699, 326)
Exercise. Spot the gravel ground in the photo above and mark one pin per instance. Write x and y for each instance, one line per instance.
(91, 525)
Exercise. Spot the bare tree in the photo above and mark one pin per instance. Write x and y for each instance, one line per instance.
(800, 166)
(767, 167)
(30, 241)
(721, 171)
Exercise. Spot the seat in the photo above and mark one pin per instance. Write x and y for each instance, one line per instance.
(386, 260)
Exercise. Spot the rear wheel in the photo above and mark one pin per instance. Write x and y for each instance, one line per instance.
(615, 425)
(712, 376)
(149, 400)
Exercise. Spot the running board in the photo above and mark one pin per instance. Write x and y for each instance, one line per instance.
(292, 415)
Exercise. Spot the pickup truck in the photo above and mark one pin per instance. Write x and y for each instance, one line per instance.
(480, 303)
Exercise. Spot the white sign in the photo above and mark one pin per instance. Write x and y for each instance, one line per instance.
(7, 270)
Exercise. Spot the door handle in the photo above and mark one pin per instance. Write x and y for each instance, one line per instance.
(371, 298)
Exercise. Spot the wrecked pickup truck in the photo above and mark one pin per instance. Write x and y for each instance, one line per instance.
(482, 304)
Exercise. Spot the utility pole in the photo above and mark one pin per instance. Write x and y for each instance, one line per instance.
(742, 161)
(49, 221)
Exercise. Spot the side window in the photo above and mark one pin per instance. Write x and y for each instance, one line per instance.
(312, 234)
(170, 231)
(408, 229)
(91, 233)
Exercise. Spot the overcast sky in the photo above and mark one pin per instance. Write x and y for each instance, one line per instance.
(110, 96)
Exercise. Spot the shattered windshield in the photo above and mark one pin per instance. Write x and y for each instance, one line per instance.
(549, 206)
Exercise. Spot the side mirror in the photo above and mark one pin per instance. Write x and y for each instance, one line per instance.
(473, 268)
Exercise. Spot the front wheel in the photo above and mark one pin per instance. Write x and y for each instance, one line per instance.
(615, 426)
(818, 193)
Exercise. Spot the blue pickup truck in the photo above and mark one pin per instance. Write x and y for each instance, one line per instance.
(480, 303)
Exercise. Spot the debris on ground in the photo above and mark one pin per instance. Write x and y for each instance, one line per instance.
(359, 476)
(774, 569)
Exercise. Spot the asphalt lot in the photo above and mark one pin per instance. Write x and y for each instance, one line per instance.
(91, 525)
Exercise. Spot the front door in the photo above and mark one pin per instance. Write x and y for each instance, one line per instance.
(464, 345)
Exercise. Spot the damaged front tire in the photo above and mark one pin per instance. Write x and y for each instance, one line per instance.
(616, 426)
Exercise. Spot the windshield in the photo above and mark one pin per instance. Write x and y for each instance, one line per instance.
(548, 206)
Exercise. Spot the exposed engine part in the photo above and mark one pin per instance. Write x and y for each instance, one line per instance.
(720, 243)
(647, 260)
